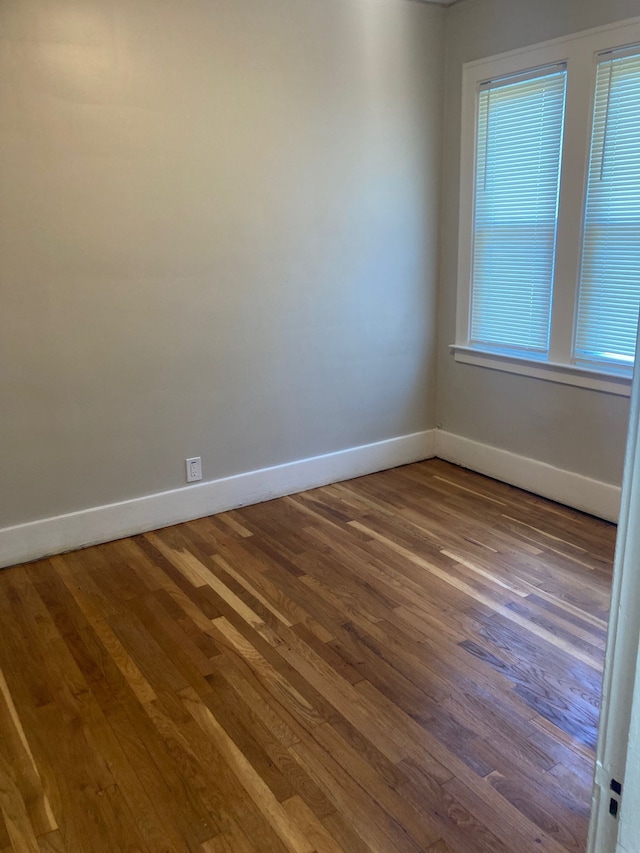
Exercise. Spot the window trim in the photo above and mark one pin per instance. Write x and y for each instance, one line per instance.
(565, 374)
(581, 52)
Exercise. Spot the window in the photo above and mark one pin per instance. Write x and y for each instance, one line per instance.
(549, 271)
(519, 138)
(610, 275)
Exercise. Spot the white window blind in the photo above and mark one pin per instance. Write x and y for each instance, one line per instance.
(518, 150)
(610, 275)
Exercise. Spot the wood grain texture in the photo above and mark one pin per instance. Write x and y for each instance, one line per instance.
(406, 662)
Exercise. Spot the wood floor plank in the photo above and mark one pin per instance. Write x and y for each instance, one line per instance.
(287, 828)
(374, 825)
(18, 758)
(409, 661)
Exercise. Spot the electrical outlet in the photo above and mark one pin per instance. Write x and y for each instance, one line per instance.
(194, 469)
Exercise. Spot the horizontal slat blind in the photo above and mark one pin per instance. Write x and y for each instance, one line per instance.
(610, 275)
(518, 148)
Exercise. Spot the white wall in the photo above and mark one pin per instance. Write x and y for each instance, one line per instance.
(218, 233)
(571, 428)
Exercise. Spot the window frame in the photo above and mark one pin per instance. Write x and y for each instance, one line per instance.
(580, 52)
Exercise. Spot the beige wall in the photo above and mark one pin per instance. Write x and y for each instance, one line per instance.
(218, 233)
(218, 227)
(572, 428)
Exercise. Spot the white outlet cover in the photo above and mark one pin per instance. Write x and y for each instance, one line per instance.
(194, 469)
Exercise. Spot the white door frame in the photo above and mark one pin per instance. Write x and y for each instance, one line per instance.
(618, 751)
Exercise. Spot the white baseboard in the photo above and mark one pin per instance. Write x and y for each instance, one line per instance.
(61, 533)
(566, 487)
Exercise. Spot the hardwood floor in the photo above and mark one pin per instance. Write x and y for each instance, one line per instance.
(409, 661)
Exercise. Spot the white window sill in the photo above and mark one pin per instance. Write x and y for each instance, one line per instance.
(566, 374)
